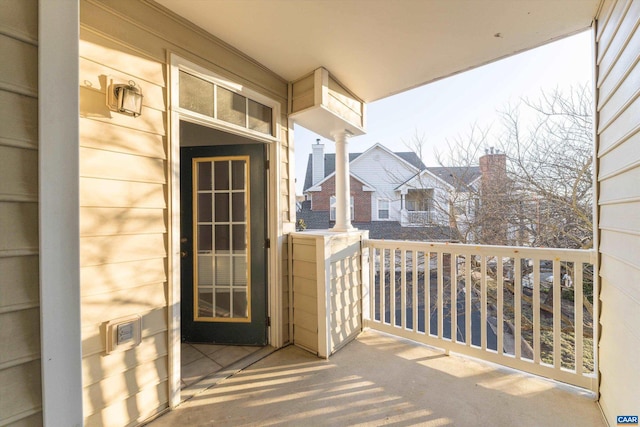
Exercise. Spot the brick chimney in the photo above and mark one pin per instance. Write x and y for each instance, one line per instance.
(493, 166)
(317, 163)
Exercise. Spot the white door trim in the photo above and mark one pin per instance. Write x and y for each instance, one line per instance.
(274, 285)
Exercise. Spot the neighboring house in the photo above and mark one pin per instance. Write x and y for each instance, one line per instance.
(95, 229)
(391, 191)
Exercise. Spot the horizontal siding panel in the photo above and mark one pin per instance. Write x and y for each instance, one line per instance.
(607, 32)
(19, 120)
(20, 335)
(20, 390)
(306, 320)
(19, 18)
(623, 67)
(623, 30)
(621, 187)
(305, 338)
(304, 303)
(125, 167)
(624, 247)
(100, 77)
(153, 322)
(93, 105)
(622, 276)
(624, 216)
(18, 172)
(305, 270)
(111, 249)
(304, 253)
(107, 278)
(620, 158)
(150, 349)
(116, 194)
(19, 225)
(104, 136)
(133, 410)
(21, 74)
(19, 281)
(105, 51)
(302, 286)
(114, 388)
(98, 309)
(108, 221)
(623, 95)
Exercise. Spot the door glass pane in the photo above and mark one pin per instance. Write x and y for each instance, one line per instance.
(204, 176)
(196, 94)
(259, 117)
(222, 285)
(204, 207)
(223, 303)
(232, 108)
(238, 170)
(222, 207)
(240, 304)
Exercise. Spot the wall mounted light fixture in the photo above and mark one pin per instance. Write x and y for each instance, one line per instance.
(125, 98)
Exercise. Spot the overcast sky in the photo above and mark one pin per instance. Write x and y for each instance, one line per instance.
(449, 107)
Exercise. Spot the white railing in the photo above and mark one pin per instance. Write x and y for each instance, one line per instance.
(526, 308)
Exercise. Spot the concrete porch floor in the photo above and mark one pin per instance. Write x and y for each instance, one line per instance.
(383, 380)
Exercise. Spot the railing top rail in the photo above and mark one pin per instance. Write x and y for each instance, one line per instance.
(577, 255)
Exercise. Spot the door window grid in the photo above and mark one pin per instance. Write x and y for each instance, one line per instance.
(221, 282)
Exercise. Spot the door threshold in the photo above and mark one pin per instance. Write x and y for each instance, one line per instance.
(215, 378)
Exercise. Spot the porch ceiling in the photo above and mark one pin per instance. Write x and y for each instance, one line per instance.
(378, 47)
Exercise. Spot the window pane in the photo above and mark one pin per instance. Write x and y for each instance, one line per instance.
(205, 303)
(239, 238)
(232, 108)
(239, 271)
(259, 117)
(196, 94)
(205, 270)
(223, 303)
(223, 271)
(240, 304)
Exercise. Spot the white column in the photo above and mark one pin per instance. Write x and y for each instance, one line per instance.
(58, 108)
(343, 189)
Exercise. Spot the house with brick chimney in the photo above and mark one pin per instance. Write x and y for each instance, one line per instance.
(392, 194)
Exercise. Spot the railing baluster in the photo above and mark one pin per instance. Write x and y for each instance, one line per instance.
(517, 305)
(427, 293)
(453, 305)
(440, 299)
(414, 288)
(578, 297)
(372, 282)
(557, 315)
(536, 310)
(403, 286)
(500, 302)
(467, 301)
(392, 287)
(383, 286)
(483, 301)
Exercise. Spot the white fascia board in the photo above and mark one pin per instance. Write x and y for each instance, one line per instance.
(59, 212)
(410, 181)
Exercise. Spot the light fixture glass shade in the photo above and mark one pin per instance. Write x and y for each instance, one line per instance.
(129, 99)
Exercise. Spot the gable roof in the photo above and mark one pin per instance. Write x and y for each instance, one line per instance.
(457, 175)
(330, 164)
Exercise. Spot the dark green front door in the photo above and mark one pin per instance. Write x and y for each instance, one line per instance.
(223, 211)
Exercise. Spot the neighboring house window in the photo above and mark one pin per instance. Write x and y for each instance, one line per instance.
(420, 200)
(383, 209)
(332, 211)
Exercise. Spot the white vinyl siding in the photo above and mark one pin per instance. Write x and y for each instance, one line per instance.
(20, 383)
(618, 157)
